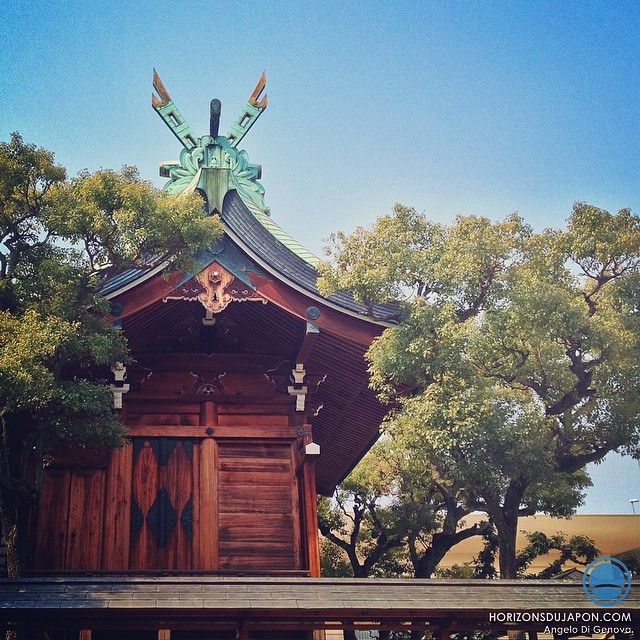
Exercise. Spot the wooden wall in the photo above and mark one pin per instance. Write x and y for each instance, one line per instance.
(211, 481)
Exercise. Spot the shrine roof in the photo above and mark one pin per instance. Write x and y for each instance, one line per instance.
(200, 601)
(214, 166)
(127, 277)
(273, 248)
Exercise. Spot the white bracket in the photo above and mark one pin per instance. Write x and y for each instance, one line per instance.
(298, 389)
(312, 449)
(120, 387)
(209, 319)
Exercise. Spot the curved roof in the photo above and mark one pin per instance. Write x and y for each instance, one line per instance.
(272, 248)
(281, 253)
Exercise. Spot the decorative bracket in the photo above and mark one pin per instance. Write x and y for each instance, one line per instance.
(297, 382)
(215, 287)
(120, 387)
(298, 389)
(208, 384)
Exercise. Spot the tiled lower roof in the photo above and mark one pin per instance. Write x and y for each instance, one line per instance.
(289, 602)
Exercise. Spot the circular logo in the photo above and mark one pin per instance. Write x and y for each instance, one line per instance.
(606, 581)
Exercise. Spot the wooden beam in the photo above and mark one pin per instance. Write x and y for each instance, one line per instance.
(238, 430)
(354, 329)
(310, 336)
(215, 363)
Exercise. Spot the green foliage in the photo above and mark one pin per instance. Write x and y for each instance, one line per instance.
(393, 517)
(120, 220)
(631, 559)
(578, 549)
(60, 240)
(516, 360)
(457, 571)
(334, 562)
(401, 249)
(362, 521)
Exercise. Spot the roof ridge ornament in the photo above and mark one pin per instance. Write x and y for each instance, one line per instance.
(171, 115)
(212, 164)
(252, 110)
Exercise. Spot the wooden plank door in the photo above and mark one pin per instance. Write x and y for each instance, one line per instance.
(257, 502)
(164, 486)
(86, 508)
(53, 514)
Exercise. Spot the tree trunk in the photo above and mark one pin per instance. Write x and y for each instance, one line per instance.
(507, 551)
(505, 519)
(14, 518)
(441, 544)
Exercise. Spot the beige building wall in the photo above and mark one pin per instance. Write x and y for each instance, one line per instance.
(611, 533)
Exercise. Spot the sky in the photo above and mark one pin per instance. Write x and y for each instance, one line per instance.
(474, 107)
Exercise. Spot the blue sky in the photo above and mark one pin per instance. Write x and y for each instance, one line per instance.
(451, 107)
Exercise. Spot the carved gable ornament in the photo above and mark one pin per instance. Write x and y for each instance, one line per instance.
(215, 287)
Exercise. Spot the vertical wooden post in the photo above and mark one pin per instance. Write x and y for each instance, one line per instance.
(208, 488)
(311, 516)
(117, 516)
(208, 417)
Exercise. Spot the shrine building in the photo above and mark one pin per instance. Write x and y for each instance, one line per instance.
(248, 394)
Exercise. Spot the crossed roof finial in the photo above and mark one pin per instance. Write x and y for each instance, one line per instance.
(212, 164)
(167, 110)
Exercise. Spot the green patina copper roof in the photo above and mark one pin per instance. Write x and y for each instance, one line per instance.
(213, 165)
(289, 242)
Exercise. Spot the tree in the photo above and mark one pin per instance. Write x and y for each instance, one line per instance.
(333, 561)
(515, 359)
(632, 559)
(60, 240)
(392, 517)
(431, 507)
(361, 519)
(577, 549)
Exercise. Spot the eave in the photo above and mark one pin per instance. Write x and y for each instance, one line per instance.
(247, 604)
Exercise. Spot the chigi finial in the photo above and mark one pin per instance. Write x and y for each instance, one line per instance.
(212, 164)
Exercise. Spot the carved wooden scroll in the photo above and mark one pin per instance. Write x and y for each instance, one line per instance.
(215, 288)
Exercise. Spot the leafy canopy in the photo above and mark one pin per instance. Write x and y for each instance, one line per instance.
(60, 241)
(515, 359)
